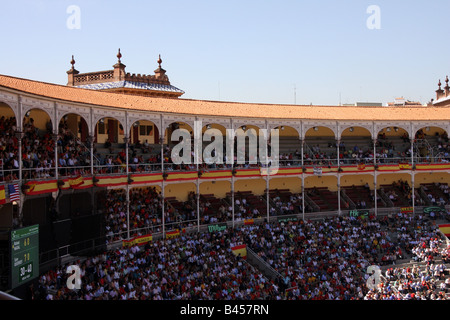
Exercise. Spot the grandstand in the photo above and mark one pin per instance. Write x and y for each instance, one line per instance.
(93, 163)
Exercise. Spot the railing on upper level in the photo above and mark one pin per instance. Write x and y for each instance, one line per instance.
(102, 167)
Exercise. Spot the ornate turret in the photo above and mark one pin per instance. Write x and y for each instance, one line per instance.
(119, 68)
(71, 73)
(447, 88)
(117, 80)
(439, 91)
(160, 73)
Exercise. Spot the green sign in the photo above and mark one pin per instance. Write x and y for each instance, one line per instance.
(287, 219)
(359, 213)
(24, 255)
(427, 210)
(217, 227)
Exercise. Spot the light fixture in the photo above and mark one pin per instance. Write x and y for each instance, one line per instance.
(396, 129)
(427, 128)
(282, 128)
(388, 129)
(244, 128)
(27, 114)
(351, 129)
(316, 129)
(208, 126)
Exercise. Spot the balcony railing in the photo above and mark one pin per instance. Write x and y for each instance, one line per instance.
(48, 173)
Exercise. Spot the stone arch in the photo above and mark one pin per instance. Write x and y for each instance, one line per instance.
(431, 144)
(109, 128)
(393, 144)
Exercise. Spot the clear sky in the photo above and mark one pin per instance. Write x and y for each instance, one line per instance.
(286, 51)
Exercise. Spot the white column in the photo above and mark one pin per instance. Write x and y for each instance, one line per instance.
(198, 205)
(375, 175)
(232, 198)
(126, 140)
(412, 172)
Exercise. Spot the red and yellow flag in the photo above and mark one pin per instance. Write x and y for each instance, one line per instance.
(172, 234)
(141, 240)
(445, 229)
(2, 195)
(240, 250)
(76, 181)
(249, 221)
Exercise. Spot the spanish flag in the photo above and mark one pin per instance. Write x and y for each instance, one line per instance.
(76, 181)
(2, 195)
(172, 234)
(240, 250)
(249, 221)
(445, 229)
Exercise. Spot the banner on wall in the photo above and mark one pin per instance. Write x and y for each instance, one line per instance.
(240, 250)
(76, 181)
(445, 229)
(359, 213)
(436, 209)
(172, 234)
(218, 227)
(249, 221)
(2, 195)
(141, 240)
(286, 219)
(406, 209)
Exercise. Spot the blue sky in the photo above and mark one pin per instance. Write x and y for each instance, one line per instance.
(287, 52)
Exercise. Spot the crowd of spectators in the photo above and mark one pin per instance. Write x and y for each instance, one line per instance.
(324, 259)
(8, 149)
(429, 281)
(145, 217)
(191, 267)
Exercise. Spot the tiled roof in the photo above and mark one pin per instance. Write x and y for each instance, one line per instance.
(131, 85)
(219, 108)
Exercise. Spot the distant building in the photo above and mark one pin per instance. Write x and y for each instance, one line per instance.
(398, 102)
(363, 104)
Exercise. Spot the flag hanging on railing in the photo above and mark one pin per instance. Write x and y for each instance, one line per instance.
(14, 194)
(240, 250)
(2, 195)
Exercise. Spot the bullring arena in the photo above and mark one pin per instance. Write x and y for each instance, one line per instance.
(358, 208)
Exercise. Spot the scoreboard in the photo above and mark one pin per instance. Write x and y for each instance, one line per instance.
(24, 255)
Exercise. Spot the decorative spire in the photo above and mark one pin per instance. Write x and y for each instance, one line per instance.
(119, 55)
(71, 73)
(72, 70)
(439, 84)
(160, 73)
(446, 80)
(119, 64)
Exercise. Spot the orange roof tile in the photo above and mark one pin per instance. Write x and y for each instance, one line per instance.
(219, 108)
